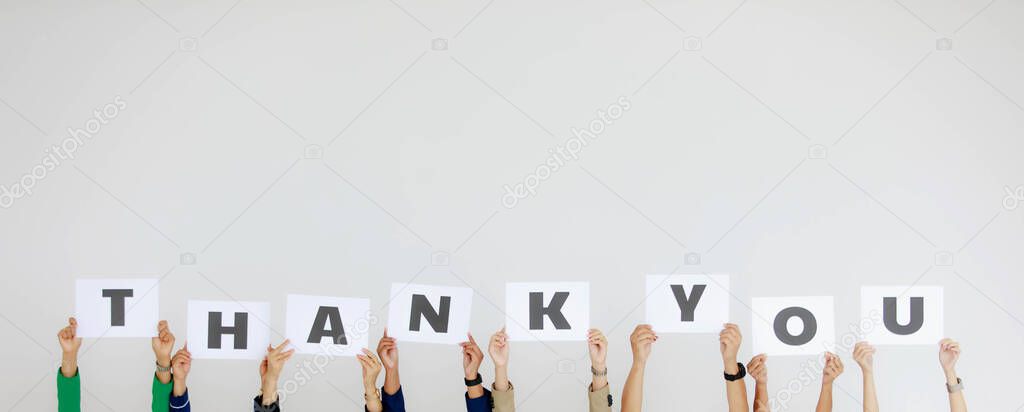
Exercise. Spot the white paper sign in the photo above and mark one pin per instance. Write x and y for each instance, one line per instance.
(687, 303)
(431, 314)
(555, 311)
(328, 325)
(228, 329)
(902, 315)
(117, 307)
(794, 326)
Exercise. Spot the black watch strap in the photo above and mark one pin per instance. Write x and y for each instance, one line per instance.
(475, 381)
(739, 375)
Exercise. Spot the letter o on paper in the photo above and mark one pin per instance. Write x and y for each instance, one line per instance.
(782, 331)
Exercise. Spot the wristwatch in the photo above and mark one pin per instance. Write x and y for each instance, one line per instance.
(601, 373)
(162, 368)
(475, 381)
(739, 375)
(955, 388)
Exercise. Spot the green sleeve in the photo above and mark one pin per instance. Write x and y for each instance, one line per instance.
(69, 393)
(161, 395)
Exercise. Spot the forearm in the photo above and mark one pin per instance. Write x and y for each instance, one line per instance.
(633, 390)
(179, 387)
(69, 364)
(475, 391)
(761, 397)
(736, 391)
(373, 402)
(957, 403)
(870, 397)
(501, 378)
(825, 398)
(164, 362)
(269, 391)
(392, 382)
(599, 381)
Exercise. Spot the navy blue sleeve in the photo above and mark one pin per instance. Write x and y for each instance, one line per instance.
(394, 402)
(180, 403)
(481, 404)
(257, 405)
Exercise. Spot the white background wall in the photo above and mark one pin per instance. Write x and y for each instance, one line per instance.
(208, 158)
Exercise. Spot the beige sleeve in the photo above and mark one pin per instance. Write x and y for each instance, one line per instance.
(599, 401)
(504, 401)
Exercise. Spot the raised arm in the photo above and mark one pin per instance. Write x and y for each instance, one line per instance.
(371, 370)
(864, 354)
(270, 372)
(949, 353)
(392, 397)
(477, 397)
(736, 391)
(181, 364)
(69, 389)
(758, 368)
(504, 395)
(163, 345)
(387, 349)
(599, 397)
(833, 367)
(633, 392)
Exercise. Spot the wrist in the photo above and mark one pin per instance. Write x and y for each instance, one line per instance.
(472, 375)
(728, 361)
(164, 361)
(599, 365)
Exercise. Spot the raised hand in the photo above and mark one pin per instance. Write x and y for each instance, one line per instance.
(163, 344)
(598, 346)
(68, 337)
(387, 349)
(758, 368)
(69, 345)
(833, 368)
(371, 368)
(472, 356)
(640, 341)
(864, 354)
(498, 348)
(181, 364)
(949, 353)
(729, 340)
(270, 370)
